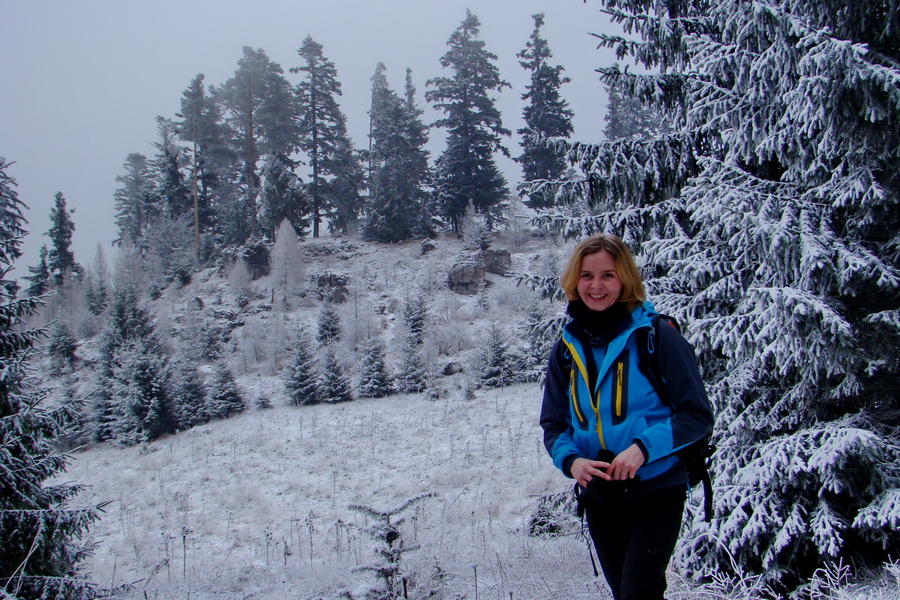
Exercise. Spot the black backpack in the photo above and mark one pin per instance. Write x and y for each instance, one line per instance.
(696, 457)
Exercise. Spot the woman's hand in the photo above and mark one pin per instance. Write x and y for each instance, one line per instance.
(625, 465)
(583, 470)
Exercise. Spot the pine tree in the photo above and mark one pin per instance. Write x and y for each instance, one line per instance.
(139, 379)
(225, 400)
(282, 197)
(96, 284)
(334, 386)
(412, 373)
(61, 349)
(172, 193)
(374, 379)
(302, 381)
(769, 217)
(261, 112)
(546, 115)
(134, 200)
(188, 395)
(40, 276)
(202, 125)
(336, 176)
(61, 258)
(329, 325)
(42, 535)
(383, 527)
(415, 315)
(498, 369)
(398, 162)
(466, 171)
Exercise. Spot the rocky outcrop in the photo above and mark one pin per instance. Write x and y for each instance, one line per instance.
(467, 275)
(330, 286)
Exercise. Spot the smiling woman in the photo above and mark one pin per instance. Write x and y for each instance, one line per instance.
(608, 427)
(89, 79)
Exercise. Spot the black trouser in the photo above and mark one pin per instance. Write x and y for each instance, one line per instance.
(635, 532)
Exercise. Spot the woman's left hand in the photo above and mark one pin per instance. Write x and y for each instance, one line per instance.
(626, 463)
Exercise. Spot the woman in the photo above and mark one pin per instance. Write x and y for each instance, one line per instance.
(606, 427)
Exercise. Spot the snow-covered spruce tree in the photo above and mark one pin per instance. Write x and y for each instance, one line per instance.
(384, 529)
(476, 233)
(769, 218)
(61, 349)
(466, 170)
(96, 284)
(40, 276)
(334, 385)
(261, 113)
(415, 315)
(546, 115)
(374, 379)
(172, 190)
(76, 432)
(282, 197)
(139, 383)
(224, 398)
(329, 324)
(61, 258)
(302, 377)
(336, 176)
(187, 394)
(41, 534)
(498, 368)
(412, 375)
(540, 332)
(134, 200)
(398, 165)
(132, 403)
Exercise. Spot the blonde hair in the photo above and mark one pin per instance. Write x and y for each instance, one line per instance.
(633, 294)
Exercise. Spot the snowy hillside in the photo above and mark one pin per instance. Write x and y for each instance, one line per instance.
(258, 505)
(261, 505)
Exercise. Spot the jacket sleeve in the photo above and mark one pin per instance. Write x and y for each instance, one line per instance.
(692, 416)
(555, 418)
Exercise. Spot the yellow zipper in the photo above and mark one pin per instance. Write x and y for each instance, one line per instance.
(596, 407)
(574, 394)
(620, 372)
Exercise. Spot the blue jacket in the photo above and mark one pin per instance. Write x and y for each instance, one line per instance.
(596, 396)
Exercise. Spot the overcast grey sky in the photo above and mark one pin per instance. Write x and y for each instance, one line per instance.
(84, 80)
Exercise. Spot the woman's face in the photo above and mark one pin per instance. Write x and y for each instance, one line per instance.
(599, 286)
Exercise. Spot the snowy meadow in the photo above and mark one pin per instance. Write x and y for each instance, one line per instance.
(258, 506)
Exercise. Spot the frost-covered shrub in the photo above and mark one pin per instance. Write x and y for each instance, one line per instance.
(554, 515)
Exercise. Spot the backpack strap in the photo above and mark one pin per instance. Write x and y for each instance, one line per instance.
(695, 455)
(648, 359)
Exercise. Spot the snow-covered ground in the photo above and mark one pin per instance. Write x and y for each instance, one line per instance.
(257, 506)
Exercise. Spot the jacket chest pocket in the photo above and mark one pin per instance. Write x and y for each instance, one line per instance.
(619, 399)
